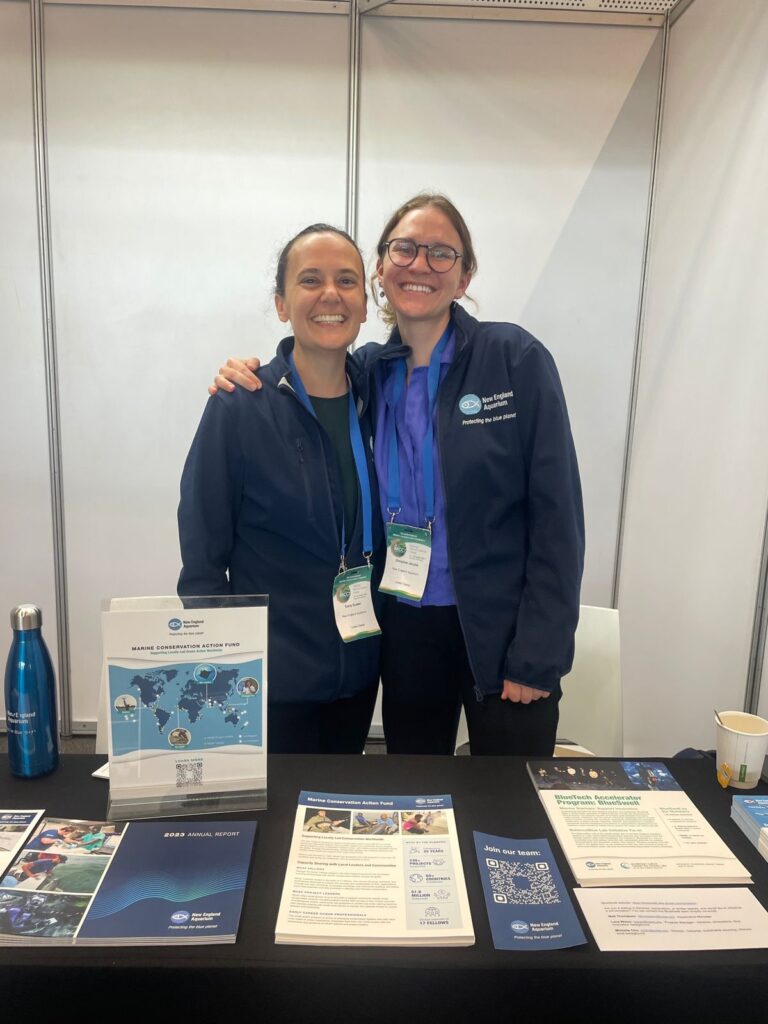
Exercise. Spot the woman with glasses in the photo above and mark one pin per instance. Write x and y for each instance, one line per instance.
(480, 493)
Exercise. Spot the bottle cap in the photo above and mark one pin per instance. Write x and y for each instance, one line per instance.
(26, 616)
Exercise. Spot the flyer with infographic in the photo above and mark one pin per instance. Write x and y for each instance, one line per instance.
(374, 871)
(187, 699)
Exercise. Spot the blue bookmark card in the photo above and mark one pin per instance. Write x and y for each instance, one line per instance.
(527, 902)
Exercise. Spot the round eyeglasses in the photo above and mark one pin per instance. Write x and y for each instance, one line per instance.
(403, 252)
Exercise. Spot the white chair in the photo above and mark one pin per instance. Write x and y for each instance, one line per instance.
(590, 710)
(591, 707)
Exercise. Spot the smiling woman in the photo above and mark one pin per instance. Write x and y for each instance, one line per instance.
(485, 527)
(279, 489)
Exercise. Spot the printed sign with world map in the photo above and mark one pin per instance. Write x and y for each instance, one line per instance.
(185, 706)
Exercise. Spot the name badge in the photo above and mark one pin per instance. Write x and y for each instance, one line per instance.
(353, 606)
(409, 550)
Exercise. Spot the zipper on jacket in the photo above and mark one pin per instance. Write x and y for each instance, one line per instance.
(305, 480)
(286, 385)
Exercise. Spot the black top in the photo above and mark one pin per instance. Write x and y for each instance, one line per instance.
(333, 416)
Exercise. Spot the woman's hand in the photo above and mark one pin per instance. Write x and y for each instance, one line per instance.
(240, 372)
(520, 694)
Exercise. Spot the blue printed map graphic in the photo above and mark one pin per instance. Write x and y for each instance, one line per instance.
(187, 706)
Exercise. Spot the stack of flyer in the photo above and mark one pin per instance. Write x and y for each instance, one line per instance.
(751, 815)
(374, 871)
(150, 883)
(15, 829)
(629, 823)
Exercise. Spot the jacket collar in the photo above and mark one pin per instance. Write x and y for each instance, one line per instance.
(463, 324)
(284, 374)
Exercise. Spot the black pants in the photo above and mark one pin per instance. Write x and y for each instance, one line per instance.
(338, 727)
(426, 678)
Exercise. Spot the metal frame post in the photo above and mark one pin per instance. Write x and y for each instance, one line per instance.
(36, 10)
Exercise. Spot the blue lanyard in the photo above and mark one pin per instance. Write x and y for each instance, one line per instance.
(361, 464)
(427, 455)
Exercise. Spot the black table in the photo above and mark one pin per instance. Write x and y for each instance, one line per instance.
(298, 983)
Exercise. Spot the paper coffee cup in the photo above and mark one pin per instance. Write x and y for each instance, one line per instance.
(742, 741)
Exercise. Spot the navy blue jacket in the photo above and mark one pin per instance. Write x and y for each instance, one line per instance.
(513, 502)
(260, 505)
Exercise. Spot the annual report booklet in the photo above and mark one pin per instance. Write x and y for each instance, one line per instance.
(150, 883)
(374, 871)
(629, 823)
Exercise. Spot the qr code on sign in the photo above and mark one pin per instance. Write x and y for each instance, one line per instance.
(189, 773)
(521, 882)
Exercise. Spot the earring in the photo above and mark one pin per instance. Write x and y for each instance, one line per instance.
(381, 293)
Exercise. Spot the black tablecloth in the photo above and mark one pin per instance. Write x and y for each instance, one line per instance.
(297, 983)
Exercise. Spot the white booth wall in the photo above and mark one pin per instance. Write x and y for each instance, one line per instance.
(185, 145)
(698, 482)
(26, 531)
(543, 136)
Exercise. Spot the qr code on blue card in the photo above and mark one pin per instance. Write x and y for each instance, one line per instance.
(521, 882)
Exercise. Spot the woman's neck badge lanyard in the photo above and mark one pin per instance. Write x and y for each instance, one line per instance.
(409, 548)
(351, 594)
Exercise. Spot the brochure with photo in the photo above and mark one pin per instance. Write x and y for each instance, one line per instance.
(374, 871)
(15, 829)
(630, 823)
(47, 890)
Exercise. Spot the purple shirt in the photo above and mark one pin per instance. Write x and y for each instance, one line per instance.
(411, 418)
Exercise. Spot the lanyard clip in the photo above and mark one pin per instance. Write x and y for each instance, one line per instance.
(429, 521)
(367, 557)
(393, 512)
(342, 565)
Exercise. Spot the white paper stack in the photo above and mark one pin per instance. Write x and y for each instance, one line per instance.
(751, 815)
(368, 870)
(630, 823)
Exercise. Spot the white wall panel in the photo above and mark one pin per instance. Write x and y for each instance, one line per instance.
(184, 147)
(542, 135)
(699, 476)
(26, 538)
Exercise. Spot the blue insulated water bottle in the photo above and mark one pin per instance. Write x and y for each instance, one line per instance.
(30, 698)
